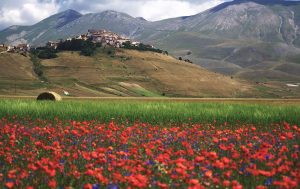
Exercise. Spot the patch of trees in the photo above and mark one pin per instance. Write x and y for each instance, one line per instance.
(186, 60)
(37, 67)
(86, 48)
(143, 47)
(44, 52)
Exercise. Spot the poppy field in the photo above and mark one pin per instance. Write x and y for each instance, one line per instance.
(66, 151)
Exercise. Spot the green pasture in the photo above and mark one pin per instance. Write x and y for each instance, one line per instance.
(154, 112)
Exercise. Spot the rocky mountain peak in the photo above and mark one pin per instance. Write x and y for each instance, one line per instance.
(141, 18)
(114, 14)
(261, 2)
(70, 12)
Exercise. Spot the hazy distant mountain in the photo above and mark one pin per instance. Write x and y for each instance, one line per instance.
(247, 38)
(264, 20)
(40, 32)
(256, 39)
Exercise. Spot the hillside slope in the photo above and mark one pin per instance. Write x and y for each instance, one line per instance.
(16, 74)
(133, 73)
(121, 73)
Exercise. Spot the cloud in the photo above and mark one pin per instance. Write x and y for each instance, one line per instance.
(149, 9)
(162, 9)
(28, 12)
(25, 12)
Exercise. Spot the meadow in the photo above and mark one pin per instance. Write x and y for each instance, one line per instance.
(155, 112)
(115, 144)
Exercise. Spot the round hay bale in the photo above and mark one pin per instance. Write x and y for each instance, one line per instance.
(49, 96)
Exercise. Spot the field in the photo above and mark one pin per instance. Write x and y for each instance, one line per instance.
(157, 111)
(149, 143)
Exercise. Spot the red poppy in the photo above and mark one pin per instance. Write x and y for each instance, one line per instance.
(9, 184)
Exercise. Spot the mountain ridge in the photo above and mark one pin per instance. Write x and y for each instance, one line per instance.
(74, 23)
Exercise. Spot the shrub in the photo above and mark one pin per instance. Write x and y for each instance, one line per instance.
(142, 47)
(37, 67)
(44, 53)
(87, 51)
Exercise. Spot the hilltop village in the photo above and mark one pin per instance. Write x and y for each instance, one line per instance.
(102, 37)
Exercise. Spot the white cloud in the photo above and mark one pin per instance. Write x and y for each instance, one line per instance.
(149, 9)
(13, 16)
(162, 9)
(38, 11)
(26, 12)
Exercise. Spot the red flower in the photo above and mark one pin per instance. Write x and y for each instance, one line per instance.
(226, 183)
(208, 174)
(194, 184)
(261, 187)
(199, 158)
(12, 174)
(88, 186)
(237, 187)
(9, 184)
(139, 181)
(162, 185)
(52, 183)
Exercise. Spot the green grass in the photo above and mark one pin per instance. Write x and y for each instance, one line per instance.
(161, 113)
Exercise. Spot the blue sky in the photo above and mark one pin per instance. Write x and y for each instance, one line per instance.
(28, 12)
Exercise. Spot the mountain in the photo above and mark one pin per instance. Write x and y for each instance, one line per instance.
(263, 20)
(257, 40)
(40, 32)
(120, 23)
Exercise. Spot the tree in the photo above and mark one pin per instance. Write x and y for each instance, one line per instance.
(87, 51)
(86, 48)
(44, 53)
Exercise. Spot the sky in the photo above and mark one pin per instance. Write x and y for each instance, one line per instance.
(28, 12)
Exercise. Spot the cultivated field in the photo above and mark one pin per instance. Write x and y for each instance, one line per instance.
(149, 143)
(158, 110)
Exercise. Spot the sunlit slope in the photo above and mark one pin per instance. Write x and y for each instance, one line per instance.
(16, 74)
(133, 73)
